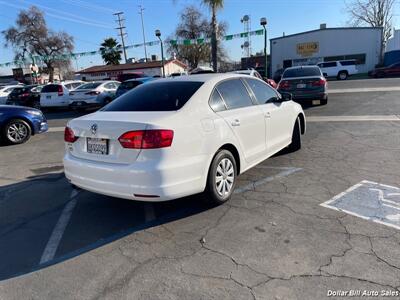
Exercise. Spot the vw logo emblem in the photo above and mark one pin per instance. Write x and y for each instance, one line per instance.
(93, 129)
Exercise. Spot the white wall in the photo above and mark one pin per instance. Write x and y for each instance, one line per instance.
(332, 42)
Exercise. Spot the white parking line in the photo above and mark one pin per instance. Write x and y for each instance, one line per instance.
(353, 118)
(56, 129)
(149, 213)
(364, 90)
(286, 171)
(58, 231)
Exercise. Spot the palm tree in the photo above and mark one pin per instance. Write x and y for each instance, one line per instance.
(214, 5)
(111, 51)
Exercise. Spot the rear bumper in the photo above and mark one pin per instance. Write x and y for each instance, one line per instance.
(136, 181)
(54, 103)
(83, 105)
(303, 96)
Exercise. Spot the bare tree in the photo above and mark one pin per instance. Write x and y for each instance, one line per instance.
(375, 13)
(30, 36)
(194, 25)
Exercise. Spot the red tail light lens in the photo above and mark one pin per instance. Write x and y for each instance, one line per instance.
(60, 91)
(93, 93)
(320, 82)
(24, 95)
(69, 135)
(147, 139)
(284, 85)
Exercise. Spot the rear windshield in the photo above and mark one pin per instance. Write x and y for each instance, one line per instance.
(157, 96)
(302, 72)
(17, 91)
(89, 86)
(50, 88)
(127, 85)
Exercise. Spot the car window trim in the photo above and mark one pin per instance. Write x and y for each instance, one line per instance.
(222, 98)
(267, 85)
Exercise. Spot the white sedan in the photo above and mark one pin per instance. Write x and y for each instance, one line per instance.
(176, 137)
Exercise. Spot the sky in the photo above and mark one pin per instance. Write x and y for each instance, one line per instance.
(90, 21)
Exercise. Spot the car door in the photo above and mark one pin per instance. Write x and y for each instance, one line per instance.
(244, 117)
(278, 115)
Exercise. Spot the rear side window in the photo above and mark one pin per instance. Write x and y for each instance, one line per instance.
(50, 88)
(157, 96)
(130, 84)
(216, 102)
(17, 91)
(328, 64)
(302, 72)
(261, 90)
(348, 63)
(234, 93)
(89, 86)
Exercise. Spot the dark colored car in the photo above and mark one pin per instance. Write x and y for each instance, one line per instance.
(132, 75)
(28, 95)
(19, 123)
(392, 70)
(132, 83)
(305, 83)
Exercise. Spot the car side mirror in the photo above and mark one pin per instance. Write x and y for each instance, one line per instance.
(286, 96)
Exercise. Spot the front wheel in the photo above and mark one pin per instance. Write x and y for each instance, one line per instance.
(296, 137)
(342, 75)
(17, 132)
(221, 177)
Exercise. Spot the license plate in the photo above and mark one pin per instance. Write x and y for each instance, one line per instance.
(48, 97)
(97, 146)
(301, 85)
(316, 102)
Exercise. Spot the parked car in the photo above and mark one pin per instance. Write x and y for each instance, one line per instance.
(305, 83)
(176, 137)
(18, 123)
(132, 83)
(57, 94)
(93, 94)
(392, 70)
(340, 69)
(28, 95)
(5, 91)
(255, 73)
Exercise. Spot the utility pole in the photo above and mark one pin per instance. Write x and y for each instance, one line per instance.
(141, 9)
(121, 31)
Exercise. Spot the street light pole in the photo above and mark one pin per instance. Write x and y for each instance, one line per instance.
(263, 22)
(158, 34)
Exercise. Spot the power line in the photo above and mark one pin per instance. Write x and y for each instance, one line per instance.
(121, 31)
(87, 5)
(58, 16)
(84, 19)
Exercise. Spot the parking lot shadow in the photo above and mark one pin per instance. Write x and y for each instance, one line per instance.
(44, 221)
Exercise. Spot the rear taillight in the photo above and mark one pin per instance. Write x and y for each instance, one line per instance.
(147, 139)
(60, 91)
(69, 135)
(319, 82)
(24, 95)
(284, 84)
(93, 93)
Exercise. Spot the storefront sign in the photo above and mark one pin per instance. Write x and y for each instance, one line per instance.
(307, 49)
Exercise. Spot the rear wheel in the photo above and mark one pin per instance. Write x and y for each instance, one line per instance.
(342, 75)
(296, 137)
(221, 177)
(324, 100)
(17, 132)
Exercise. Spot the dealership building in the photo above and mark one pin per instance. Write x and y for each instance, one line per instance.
(327, 44)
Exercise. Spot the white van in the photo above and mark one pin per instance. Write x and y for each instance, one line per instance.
(57, 94)
(340, 69)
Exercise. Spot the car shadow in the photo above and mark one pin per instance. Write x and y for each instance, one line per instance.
(31, 210)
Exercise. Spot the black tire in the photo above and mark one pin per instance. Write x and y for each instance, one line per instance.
(296, 137)
(212, 193)
(342, 75)
(17, 131)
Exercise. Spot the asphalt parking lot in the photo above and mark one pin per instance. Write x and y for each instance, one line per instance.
(273, 240)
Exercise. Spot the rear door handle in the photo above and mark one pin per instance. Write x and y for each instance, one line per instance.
(236, 122)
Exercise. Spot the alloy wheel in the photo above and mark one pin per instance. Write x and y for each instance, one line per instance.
(224, 177)
(17, 132)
